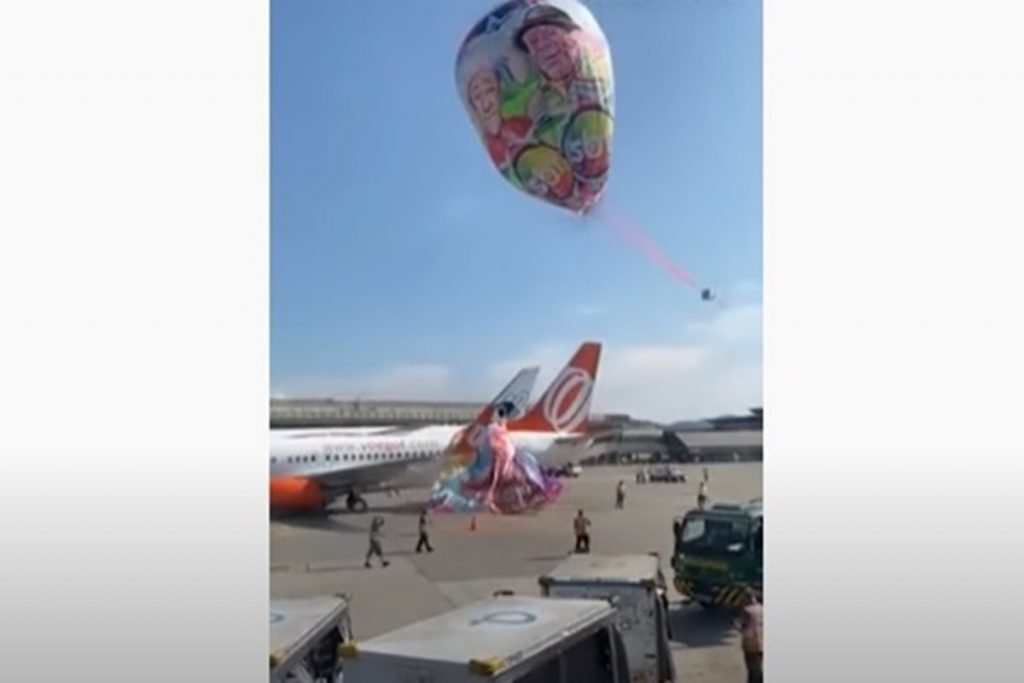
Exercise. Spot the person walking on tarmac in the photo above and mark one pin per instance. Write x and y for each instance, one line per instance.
(375, 547)
(751, 627)
(581, 527)
(424, 540)
(620, 495)
(702, 495)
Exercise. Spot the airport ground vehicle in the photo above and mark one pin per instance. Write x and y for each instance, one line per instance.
(504, 639)
(719, 551)
(570, 470)
(637, 588)
(305, 637)
(666, 473)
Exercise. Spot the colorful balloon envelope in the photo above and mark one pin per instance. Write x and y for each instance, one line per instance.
(536, 79)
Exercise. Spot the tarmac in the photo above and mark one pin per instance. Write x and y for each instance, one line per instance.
(316, 557)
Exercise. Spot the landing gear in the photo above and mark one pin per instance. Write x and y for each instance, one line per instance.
(356, 503)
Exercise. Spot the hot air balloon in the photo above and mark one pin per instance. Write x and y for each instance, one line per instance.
(535, 77)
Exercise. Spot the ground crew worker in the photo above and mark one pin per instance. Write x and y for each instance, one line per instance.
(581, 526)
(424, 540)
(375, 547)
(620, 495)
(702, 495)
(751, 626)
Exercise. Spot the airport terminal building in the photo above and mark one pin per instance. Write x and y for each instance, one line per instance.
(616, 436)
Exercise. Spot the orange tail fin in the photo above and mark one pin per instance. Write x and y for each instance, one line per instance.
(565, 406)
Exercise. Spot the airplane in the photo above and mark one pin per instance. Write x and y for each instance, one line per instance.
(554, 428)
(310, 469)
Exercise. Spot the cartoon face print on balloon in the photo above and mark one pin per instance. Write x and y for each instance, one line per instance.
(547, 36)
(586, 143)
(502, 135)
(545, 173)
(485, 96)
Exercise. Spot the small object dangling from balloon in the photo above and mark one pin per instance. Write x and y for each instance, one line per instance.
(536, 79)
(707, 295)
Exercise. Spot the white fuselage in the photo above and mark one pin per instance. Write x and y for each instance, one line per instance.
(318, 454)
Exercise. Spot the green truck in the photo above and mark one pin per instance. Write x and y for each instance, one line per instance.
(719, 552)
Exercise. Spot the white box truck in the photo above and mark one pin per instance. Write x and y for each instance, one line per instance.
(504, 639)
(305, 639)
(636, 586)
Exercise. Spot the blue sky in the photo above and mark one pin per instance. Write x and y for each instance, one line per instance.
(404, 266)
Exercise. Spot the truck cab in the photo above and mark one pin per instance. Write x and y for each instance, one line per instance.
(719, 552)
(504, 639)
(305, 639)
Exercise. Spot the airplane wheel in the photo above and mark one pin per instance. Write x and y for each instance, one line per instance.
(357, 504)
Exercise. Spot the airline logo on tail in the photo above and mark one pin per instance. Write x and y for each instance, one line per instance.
(511, 402)
(565, 406)
(514, 399)
(567, 403)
